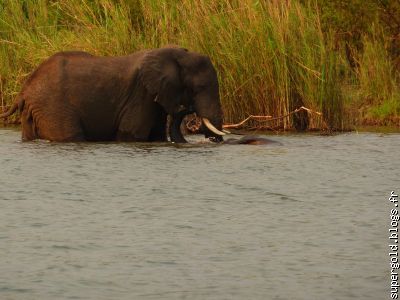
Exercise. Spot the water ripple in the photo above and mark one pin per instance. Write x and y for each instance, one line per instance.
(302, 220)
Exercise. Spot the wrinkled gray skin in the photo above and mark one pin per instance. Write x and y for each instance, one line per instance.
(75, 96)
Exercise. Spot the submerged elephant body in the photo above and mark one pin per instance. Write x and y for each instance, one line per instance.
(250, 140)
(75, 96)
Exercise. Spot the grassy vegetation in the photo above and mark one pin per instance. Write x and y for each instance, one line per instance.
(271, 56)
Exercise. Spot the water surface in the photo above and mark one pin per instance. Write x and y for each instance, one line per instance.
(307, 219)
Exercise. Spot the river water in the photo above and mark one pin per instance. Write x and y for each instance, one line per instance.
(304, 219)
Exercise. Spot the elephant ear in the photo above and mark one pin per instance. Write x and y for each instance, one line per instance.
(160, 75)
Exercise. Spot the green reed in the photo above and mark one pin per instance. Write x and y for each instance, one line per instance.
(271, 56)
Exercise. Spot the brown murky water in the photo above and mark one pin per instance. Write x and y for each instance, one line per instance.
(307, 219)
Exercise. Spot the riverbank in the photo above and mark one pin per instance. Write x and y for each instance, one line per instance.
(271, 58)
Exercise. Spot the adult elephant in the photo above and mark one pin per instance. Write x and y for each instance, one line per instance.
(75, 96)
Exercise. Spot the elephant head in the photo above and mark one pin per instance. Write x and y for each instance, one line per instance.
(184, 82)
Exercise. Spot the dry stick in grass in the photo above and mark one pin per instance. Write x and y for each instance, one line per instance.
(257, 118)
(270, 118)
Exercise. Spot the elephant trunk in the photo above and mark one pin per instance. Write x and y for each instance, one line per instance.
(175, 133)
(212, 128)
(211, 115)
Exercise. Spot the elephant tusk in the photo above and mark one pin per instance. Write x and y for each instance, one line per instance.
(211, 127)
(226, 131)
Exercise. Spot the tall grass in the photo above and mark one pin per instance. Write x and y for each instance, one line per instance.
(379, 89)
(271, 56)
